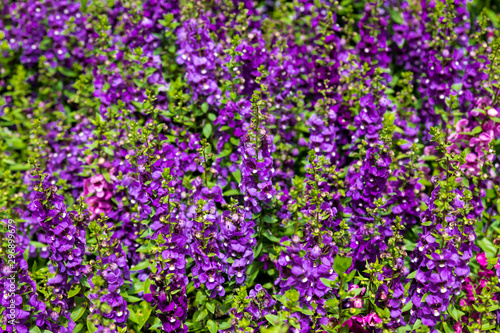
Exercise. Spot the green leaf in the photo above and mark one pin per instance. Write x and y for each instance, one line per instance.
(354, 292)
(237, 175)
(156, 325)
(225, 325)
(306, 311)
(271, 237)
(143, 313)
(92, 146)
(106, 176)
(333, 303)
(272, 319)
(212, 326)
(138, 105)
(147, 285)
(204, 107)
(234, 141)
(132, 316)
(350, 276)
(200, 297)
(494, 307)
(74, 292)
(207, 130)
(210, 307)
(90, 325)
(17, 143)
(26, 253)
(167, 19)
(108, 150)
(486, 327)
(257, 250)
(270, 219)
(403, 329)
(84, 5)
(140, 266)
(149, 71)
(98, 119)
(492, 15)
(417, 324)
(138, 287)
(78, 328)
(19, 167)
(380, 312)
(396, 16)
(232, 192)
(280, 298)
(224, 153)
(453, 313)
(407, 287)
(487, 246)
(457, 86)
(410, 246)
(327, 282)
(203, 313)
(67, 72)
(412, 275)
(35, 330)
(447, 328)
(78, 312)
(292, 295)
(144, 248)
(477, 130)
(408, 306)
(130, 298)
(341, 264)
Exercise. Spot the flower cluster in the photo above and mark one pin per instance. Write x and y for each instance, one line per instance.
(250, 166)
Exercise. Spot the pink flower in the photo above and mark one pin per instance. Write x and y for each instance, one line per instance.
(485, 137)
(99, 186)
(100, 191)
(355, 324)
(352, 287)
(372, 319)
(461, 125)
(475, 113)
(472, 163)
(492, 112)
(355, 286)
(357, 303)
(98, 206)
(481, 259)
(471, 157)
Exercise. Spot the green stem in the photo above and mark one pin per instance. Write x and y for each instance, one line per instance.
(169, 215)
(340, 305)
(100, 255)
